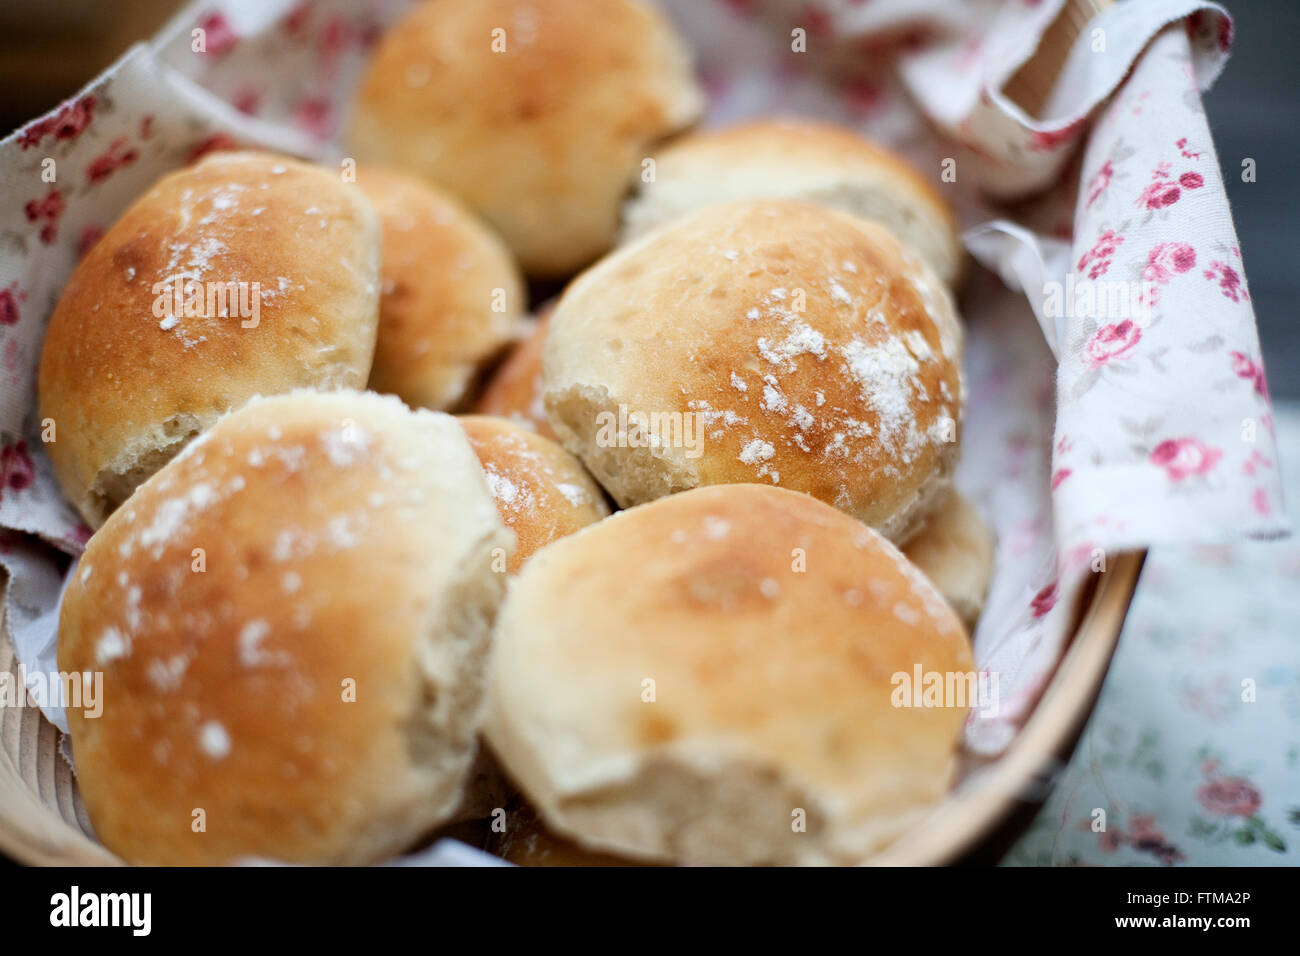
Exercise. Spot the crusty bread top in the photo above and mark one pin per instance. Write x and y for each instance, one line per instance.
(799, 159)
(542, 492)
(515, 389)
(451, 293)
(770, 627)
(123, 385)
(306, 544)
(823, 356)
(542, 138)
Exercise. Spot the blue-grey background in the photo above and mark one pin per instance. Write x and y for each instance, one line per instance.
(1254, 112)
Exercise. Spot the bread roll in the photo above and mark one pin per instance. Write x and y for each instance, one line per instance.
(292, 619)
(536, 113)
(709, 678)
(954, 548)
(515, 389)
(799, 159)
(795, 345)
(541, 491)
(277, 264)
(452, 296)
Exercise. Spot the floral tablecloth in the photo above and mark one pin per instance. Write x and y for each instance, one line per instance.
(1193, 751)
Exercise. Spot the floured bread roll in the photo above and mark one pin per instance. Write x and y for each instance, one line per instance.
(799, 159)
(452, 296)
(292, 619)
(276, 264)
(536, 113)
(542, 491)
(711, 678)
(770, 341)
(955, 550)
(515, 389)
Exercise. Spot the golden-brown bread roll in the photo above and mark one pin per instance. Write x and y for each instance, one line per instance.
(799, 159)
(955, 550)
(777, 342)
(292, 619)
(711, 678)
(542, 492)
(515, 389)
(277, 264)
(451, 294)
(536, 113)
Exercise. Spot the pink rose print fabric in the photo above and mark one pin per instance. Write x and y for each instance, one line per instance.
(1168, 259)
(1184, 457)
(1146, 441)
(1229, 281)
(1191, 752)
(1112, 343)
(1173, 457)
(1096, 260)
(1164, 189)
